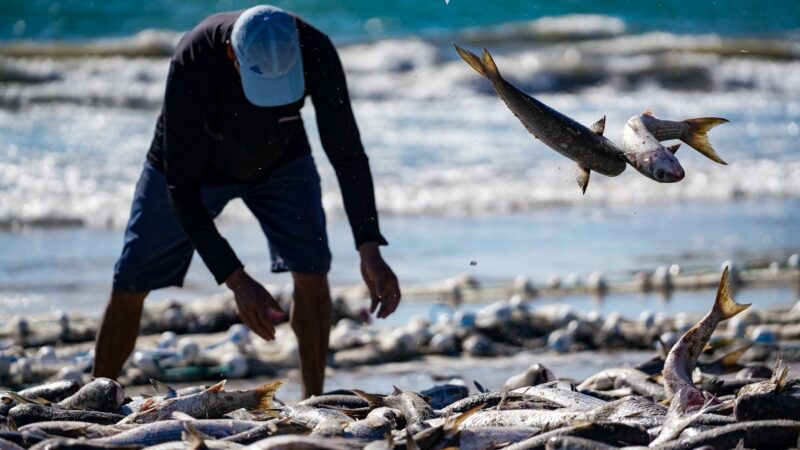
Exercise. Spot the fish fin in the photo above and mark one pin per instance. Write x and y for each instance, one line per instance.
(147, 404)
(265, 393)
(471, 59)
(779, 375)
(396, 390)
(707, 348)
(724, 303)
(663, 346)
(732, 358)
(163, 389)
(491, 68)
(582, 177)
(219, 387)
(649, 112)
(11, 424)
(20, 399)
(455, 423)
(656, 378)
(411, 444)
(179, 415)
(697, 136)
(193, 437)
(372, 400)
(600, 126)
(478, 386)
(674, 148)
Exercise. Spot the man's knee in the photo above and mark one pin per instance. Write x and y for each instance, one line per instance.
(127, 300)
(311, 286)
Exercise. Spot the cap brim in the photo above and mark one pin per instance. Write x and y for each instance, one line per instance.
(276, 91)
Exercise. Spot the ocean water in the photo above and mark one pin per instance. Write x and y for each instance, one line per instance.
(458, 179)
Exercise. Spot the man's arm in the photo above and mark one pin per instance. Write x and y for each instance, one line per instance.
(341, 140)
(342, 143)
(184, 155)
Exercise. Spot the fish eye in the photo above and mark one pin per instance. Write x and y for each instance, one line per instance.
(660, 174)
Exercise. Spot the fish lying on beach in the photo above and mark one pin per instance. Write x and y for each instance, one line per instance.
(101, 394)
(682, 358)
(211, 403)
(587, 147)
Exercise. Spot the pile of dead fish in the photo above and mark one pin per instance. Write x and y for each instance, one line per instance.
(500, 328)
(677, 401)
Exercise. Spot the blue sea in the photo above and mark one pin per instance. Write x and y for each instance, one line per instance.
(461, 186)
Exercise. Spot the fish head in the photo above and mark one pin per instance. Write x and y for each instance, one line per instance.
(658, 164)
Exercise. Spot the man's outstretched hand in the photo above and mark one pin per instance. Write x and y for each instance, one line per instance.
(381, 281)
(254, 305)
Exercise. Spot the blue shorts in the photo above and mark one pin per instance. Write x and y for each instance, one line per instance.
(287, 204)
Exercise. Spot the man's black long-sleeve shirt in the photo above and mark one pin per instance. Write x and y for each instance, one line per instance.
(208, 132)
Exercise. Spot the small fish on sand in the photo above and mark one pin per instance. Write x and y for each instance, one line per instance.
(682, 358)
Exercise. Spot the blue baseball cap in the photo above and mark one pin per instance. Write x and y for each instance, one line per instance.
(267, 45)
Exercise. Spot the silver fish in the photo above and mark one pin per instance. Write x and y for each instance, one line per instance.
(587, 147)
(101, 394)
(8, 445)
(624, 376)
(691, 131)
(172, 430)
(378, 423)
(293, 442)
(647, 155)
(568, 399)
(413, 407)
(312, 417)
(493, 437)
(64, 428)
(682, 358)
(210, 403)
(31, 413)
(55, 391)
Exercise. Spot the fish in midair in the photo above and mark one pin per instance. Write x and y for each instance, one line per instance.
(587, 147)
(642, 147)
(694, 132)
(682, 358)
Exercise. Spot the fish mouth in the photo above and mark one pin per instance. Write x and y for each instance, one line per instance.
(674, 176)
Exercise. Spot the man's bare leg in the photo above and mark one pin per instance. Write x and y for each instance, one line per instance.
(117, 334)
(311, 322)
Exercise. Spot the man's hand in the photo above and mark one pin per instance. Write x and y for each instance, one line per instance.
(253, 304)
(381, 281)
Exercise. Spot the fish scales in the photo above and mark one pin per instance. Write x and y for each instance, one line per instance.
(31, 413)
(171, 430)
(491, 399)
(760, 434)
(413, 407)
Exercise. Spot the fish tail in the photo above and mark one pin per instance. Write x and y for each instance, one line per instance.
(696, 136)
(732, 358)
(193, 438)
(724, 304)
(487, 70)
(491, 67)
(372, 400)
(265, 394)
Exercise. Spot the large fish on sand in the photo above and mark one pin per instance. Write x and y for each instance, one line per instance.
(587, 147)
(208, 404)
(682, 358)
